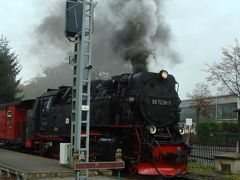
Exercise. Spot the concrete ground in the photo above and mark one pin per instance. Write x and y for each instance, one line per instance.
(31, 166)
(35, 167)
(90, 178)
(29, 163)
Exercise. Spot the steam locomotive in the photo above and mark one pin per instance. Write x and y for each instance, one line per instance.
(137, 114)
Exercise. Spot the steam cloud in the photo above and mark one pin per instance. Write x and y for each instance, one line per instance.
(50, 46)
(129, 35)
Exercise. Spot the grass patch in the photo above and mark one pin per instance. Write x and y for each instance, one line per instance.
(200, 168)
(231, 177)
(203, 169)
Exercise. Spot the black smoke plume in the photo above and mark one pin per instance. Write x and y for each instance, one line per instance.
(130, 44)
(129, 35)
(139, 33)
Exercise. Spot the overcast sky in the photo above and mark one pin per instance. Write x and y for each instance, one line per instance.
(200, 28)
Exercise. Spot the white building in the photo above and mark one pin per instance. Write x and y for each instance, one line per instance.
(220, 108)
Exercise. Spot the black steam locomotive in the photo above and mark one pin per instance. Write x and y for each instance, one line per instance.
(135, 114)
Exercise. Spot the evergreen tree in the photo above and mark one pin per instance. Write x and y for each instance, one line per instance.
(9, 69)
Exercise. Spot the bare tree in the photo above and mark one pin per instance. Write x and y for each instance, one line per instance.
(227, 72)
(199, 96)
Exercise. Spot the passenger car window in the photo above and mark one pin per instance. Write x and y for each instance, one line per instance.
(9, 118)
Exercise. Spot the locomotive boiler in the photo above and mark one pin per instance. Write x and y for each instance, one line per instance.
(135, 114)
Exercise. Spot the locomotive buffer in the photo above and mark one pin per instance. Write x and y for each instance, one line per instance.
(79, 27)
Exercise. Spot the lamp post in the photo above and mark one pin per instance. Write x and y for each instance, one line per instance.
(216, 115)
(238, 119)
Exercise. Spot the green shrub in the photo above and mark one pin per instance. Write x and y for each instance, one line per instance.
(211, 126)
(227, 126)
(206, 126)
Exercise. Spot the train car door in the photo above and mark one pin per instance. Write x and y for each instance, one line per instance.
(3, 123)
(11, 122)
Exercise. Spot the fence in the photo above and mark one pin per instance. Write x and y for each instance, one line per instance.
(206, 146)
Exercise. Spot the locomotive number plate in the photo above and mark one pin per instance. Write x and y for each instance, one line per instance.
(161, 102)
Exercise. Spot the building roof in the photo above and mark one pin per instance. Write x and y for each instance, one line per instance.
(222, 99)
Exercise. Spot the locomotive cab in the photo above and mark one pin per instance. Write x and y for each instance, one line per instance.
(49, 121)
(52, 112)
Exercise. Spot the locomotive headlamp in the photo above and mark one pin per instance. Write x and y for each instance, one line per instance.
(181, 131)
(163, 74)
(152, 129)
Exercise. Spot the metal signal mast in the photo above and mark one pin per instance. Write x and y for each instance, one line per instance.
(79, 27)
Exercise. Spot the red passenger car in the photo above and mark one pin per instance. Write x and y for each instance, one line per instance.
(13, 118)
